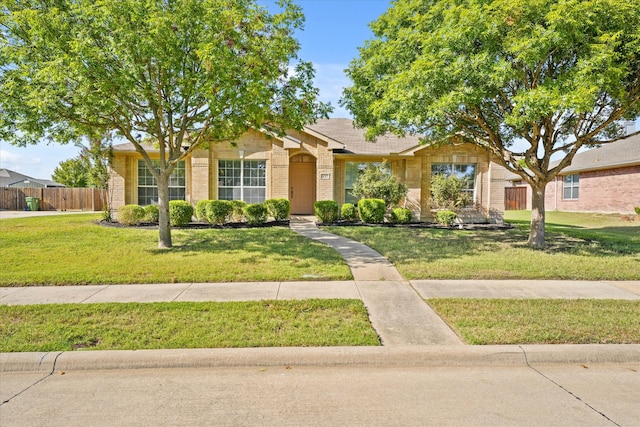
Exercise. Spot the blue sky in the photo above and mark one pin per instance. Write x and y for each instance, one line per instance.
(333, 32)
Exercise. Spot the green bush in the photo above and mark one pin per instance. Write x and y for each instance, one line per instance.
(446, 217)
(180, 212)
(348, 212)
(152, 213)
(326, 211)
(637, 209)
(448, 192)
(377, 182)
(401, 216)
(217, 211)
(256, 213)
(201, 210)
(278, 208)
(372, 210)
(238, 210)
(131, 214)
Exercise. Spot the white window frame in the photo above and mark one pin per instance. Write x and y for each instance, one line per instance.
(177, 182)
(452, 165)
(246, 181)
(571, 183)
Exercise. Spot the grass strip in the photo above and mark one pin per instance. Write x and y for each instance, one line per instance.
(541, 321)
(74, 250)
(132, 326)
(579, 247)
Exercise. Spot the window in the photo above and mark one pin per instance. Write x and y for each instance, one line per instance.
(148, 187)
(353, 169)
(242, 180)
(571, 187)
(466, 172)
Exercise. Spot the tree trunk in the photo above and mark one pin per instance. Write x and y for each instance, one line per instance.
(536, 235)
(164, 239)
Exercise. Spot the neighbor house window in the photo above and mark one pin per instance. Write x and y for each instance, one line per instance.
(466, 172)
(148, 187)
(242, 180)
(353, 169)
(571, 187)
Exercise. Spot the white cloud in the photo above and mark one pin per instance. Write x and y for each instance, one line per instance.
(37, 161)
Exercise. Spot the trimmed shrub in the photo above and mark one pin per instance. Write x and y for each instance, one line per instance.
(372, 210)
(180, 212)
(256, 213)
(152, 213)
(326, 211)
(201, 210)
(217, 211)
(131, 214)
(238, 210)
(348, 212)
(446, 217)
(401, 216)
(278, 208)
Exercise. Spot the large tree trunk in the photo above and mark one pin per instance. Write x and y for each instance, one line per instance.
(164, 239)
(536, 235)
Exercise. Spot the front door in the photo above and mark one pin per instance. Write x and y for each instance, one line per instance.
(302, 194)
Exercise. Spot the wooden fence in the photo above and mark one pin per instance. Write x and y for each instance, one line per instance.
(52, 199)
(515, 198)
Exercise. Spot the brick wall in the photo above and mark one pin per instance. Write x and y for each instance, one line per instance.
(608, 191)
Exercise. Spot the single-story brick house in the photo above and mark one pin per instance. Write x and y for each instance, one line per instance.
(604, 179)
(317, 163)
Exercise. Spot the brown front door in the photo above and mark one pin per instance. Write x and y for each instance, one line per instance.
(302, 192)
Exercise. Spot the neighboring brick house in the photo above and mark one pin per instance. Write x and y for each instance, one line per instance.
(318, 163)
(604, 179)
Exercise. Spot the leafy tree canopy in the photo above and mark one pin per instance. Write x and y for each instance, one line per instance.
(556, 75)
(177, 74)
(72, 173)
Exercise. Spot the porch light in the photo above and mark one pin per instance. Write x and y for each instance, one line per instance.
(241, 154)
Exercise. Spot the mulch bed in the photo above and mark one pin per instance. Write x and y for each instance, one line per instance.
(285, 223)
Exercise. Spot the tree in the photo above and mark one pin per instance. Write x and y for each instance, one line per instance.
(178, 74)
(553, 76)
(377, 182)
(72, 173)
(99, 155)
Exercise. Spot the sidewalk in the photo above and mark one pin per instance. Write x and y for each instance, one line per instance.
(396, 307)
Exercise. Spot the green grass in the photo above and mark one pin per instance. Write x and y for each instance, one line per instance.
(74, 250)
(133, 326)
(541, 321)
(580, 247)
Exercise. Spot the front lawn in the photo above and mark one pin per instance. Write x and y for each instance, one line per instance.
(580, 247)
(541, 321)
(75, 250)
(135, 326)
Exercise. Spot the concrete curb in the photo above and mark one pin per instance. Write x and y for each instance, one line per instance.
(414, 356)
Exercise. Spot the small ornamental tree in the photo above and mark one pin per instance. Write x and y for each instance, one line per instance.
(376, 182)
(447, 192)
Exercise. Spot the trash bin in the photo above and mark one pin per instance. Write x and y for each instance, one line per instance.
(33, 203)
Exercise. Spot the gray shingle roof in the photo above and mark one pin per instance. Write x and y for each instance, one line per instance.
(342, 130)
(622, 153)
(625, 152)
(10, 178)
(339, 131)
